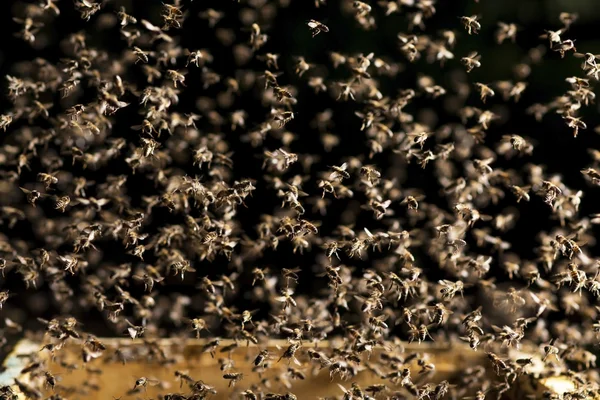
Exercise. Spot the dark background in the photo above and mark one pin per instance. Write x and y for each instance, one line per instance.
(555, 146)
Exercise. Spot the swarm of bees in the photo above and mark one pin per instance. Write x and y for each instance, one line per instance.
(157, 182)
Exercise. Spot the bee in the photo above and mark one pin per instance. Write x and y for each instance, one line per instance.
(124, 18)
(484, 91)
(450, 289)
(282, 93)
(339, 173)
(249, 395)
(471, 61)
(362, 9)
(47, 179)
(471, 24)
(412, 202)
(183, 377)
(290, 353)
(50, 380)
(379, 208)
(144, 382)
(317, 27)
(262, 356)
(211, 346)
(61, 203)
(575, 123)
(419, 333)
(553, 36)
(506, 31)
(257, 39)
(498, 364)
(176, 77)
(32, 195)
(440, 313)
(140, 54)
(233, 377)
(5, 121)
(28, 390)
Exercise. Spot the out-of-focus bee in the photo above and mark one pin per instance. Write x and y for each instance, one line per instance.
(233, 377)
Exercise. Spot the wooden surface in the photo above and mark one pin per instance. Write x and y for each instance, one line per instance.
(116, 379)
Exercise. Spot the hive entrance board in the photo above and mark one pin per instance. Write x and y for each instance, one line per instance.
(107, 378)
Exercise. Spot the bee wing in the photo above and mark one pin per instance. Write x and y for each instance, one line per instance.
(359, 298)
(148, 25)
(343, 388)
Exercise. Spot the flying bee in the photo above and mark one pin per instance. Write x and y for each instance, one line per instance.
(50, 380)
(32, 195)
(450, 289)
(124, 18)
(4, 296)
(47, 179)
(471, 61)
(317, 27)
(144, 382)
(484, 91)
(5, 121)
(211, 346)
(499, 364)
(261, 357)
(233, 377)
(412, 202)
(339, 173)
(565, 46)
(471, 24)
(149, 145)
(592, 174)
(553, 36)
(290, 353)
(419, 333)
(257, 39)
(506, 31)
(140, 54)
(282, 93)
(440, 312)
(574, 122)
(379, 208)
(61, 203)
(183, 377)
(176, 77)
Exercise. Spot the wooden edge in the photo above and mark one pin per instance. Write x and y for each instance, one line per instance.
(13, 364)
(190, 342)
(560, 385)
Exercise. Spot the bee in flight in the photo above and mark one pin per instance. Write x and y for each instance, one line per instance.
(317, 27)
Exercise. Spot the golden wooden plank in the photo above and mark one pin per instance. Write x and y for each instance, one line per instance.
(117, 379)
